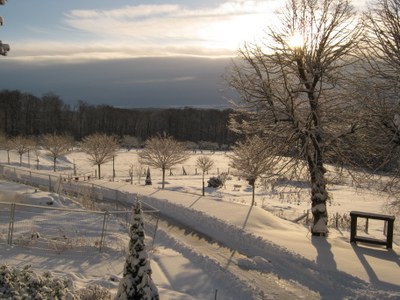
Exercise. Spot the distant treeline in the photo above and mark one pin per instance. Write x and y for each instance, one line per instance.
(25, 114)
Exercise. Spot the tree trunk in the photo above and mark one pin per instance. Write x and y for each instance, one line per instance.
(313, 150)
(98, 168)
(54, 164)
(253, 193)
(20, 160)
(203, 185)
(163, 178)
(319, 196)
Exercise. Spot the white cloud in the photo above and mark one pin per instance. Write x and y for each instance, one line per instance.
(148, 30)
(223, 26)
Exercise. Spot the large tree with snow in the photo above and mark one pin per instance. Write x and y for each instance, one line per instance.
(163, 152)
(292, 90)
(56, 146)
(136, 282)
(101, 148)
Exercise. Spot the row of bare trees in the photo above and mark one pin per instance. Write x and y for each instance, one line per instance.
(25, 114)
(162, 152)
(323, 86)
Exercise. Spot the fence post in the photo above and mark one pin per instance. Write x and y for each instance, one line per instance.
(337, 220)
(155, 230)
(366, 225)
(11, 224)
(49, 183)
(103, 231)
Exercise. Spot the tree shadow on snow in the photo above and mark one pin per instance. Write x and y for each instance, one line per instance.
(325, 259)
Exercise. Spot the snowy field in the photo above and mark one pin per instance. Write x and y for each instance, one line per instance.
(222, 248)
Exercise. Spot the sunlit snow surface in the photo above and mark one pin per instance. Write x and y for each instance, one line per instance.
(240, 253)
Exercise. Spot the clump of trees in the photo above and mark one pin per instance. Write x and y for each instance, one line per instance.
(25, 114)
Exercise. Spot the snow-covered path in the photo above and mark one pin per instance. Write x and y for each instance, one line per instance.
(252, 272)
(331, 267)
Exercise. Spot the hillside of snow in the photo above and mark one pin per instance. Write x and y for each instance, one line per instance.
(220, 246)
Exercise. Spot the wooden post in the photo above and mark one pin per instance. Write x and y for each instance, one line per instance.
(353, 229)
(337, 220)
(389, 236)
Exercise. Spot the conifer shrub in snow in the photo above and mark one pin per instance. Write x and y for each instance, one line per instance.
(148, 177)
(136, 282)
(26, 284)
(215, 182)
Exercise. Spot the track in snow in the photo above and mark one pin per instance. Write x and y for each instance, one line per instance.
(254, 272)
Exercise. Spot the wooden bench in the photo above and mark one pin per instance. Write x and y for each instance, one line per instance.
(389, 234)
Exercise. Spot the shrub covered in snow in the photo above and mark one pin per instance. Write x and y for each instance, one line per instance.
(94, 292)
(215, 182)
(26, 284)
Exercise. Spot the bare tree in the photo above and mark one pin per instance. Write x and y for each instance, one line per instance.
(382, 86)
(22, 145)
(7, 145)
(101, 148)
(251, 159)
(292, 92)
(3, 141)
(57, 146)
(382, 35)
(205, 163)
(164, 153)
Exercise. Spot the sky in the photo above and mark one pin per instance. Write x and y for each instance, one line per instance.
(128, 53)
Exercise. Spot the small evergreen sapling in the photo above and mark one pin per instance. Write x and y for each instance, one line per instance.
(148, 177)
(136, 282)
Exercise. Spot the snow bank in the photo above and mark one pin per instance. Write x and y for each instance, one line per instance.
(284, 263)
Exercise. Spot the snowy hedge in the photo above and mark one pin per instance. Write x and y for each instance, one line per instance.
(18, 284)
(26, 284)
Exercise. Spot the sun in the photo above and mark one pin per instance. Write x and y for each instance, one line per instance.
(296, 41)
(231, 33)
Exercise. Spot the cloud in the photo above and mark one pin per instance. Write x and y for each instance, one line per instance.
(147, 31)
(225, 26)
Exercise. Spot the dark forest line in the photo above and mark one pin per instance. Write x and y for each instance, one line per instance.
(28, 115)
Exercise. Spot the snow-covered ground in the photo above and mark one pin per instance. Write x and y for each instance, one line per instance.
(218, 246)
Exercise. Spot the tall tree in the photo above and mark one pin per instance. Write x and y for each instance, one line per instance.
(251, 159)
(101, 148)
(136, 282)
(292, 90)
(205, 163)
(163, 153)
(56, 146)
(381, 99)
